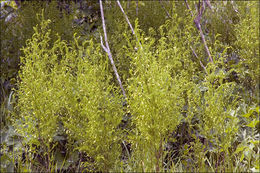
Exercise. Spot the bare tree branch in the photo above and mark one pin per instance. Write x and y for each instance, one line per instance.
(131, 27)
(107, 49)
(209, 5)
(102, 45)
(197, 23)
(168, 14)
(199, 60)
(187, 5)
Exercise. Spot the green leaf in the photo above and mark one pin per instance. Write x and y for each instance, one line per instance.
(253, 123)
(239, 149)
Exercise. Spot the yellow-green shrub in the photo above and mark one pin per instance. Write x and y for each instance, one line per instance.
(68, 85)
(247, 43)
(166, 85)
(160, 77)
(13, 36)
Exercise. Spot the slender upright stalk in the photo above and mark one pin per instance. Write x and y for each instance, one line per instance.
(187, 5)
(168, 14)
(107, 49)
(197, 23)
(130, 25)
(199, 60)
(121, 8)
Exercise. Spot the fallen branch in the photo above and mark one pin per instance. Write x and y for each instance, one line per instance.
(107, 49)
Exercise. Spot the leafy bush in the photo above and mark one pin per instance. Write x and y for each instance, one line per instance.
(61, 85)
(17, 30)
(156, 101)
(182, 113)
(248, 46)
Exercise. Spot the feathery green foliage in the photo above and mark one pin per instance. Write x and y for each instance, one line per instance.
(182, 112)
(66, 84)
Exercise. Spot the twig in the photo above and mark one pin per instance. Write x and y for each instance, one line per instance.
(197, 23)
(208, 4)
(168, 14)
(128, 153)
(199, 60)
(121, 8)
(107, 49)
(187, 5)
(203, 39)
(102, 45)
(131, 27)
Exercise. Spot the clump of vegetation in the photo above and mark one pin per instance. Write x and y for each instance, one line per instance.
(191, 94)
(67, 85)
(16, 27)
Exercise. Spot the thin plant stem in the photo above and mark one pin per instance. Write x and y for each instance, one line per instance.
(199, 60)
(130, 25)
(168, 14)
(107, 49)
(197, 23)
